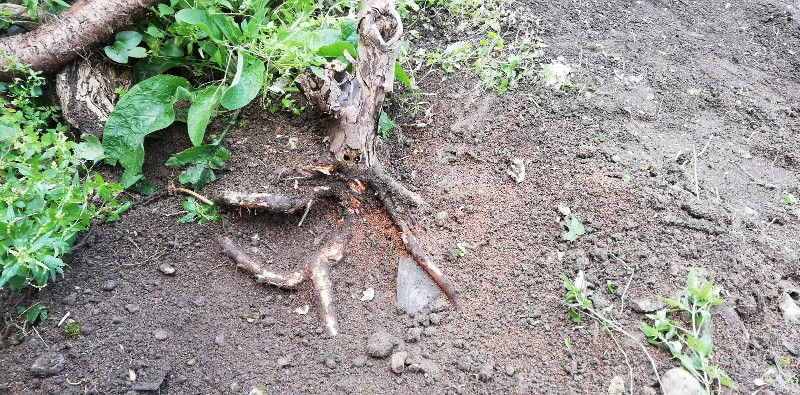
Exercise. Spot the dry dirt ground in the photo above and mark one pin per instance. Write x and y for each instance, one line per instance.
(685, 96)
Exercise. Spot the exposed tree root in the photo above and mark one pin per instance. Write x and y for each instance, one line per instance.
(62, 39)
(317, 269)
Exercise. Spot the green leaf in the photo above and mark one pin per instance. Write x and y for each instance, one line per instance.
(648, 330)
(152, 66)
(455, 48)
(200, 112)
(697, 345)
(401, 75)
(7, 132)
(247, 88)
(137, 52)
(147, 107)
(128, 38)
(164, 9)
(90, 149)
(688, 364)
(385, 125)
(575, 229)
(337, 49)
(117, 52)
(205, 159)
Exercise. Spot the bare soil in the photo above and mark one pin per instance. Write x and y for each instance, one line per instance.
(685, 97)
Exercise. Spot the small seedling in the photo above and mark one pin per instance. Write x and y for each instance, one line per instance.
(691, 344)
(567, 342)
(789, 199)
(73, 329)
(198, 211)
(125, 47)
(610, 287)
(601, 137)
(625, 175)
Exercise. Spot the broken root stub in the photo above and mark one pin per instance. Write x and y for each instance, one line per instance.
(317, 269)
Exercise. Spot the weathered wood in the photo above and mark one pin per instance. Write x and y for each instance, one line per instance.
(351, 103)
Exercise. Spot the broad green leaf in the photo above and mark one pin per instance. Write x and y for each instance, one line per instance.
(401, 75)
(337, 49)
(648, 330)
(171, 49)
(164, 9)
(200, 112)
(697, 345)
(147, 107)
(137, 52)
(205, 159)
(117, 52)
(239, 95)
(7, 132)
(90, 149)
(326, 37)
(227, 27)
(129, 38)
(688, 364)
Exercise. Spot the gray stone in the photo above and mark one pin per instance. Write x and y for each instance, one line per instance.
(439, 305)
(791, 312)
(616, 158)
(678, 381)
(235, 387)
(160, 334)
(220, 340)
(792, 347)
(110, 285)
(132, 308)
(360, 361)
(146, 386)
(415, 288)
(486, 371)
(380, 344)
(330, 363)
(285, 361)
(49, 364)
(617, 386)
(644, 305)
(398, 362)
(117, 319)
(167, 269)
(440, 218)
(510, 370)
(423, 365)
(413, 335)
(71, 298)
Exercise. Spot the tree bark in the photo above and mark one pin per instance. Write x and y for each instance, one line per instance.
(351, 103)
(83, 25)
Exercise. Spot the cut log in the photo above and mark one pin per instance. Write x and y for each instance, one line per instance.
(62, 39)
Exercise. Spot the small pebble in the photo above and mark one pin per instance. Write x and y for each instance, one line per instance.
(166, 269)
(110, 285)
(160, 334)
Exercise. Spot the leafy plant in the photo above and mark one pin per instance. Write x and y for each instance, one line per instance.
(125, 46)
(385, 126)
(48, 195)
(72, 328)
(34, 314)
(691, 344)
(198, 211)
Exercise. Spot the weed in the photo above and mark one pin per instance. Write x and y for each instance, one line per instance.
(691, 344)
(198, 211)
(567, 343)
(34, 314)
(49, 194)
(601, 137)
(72, 329)
(625, 176)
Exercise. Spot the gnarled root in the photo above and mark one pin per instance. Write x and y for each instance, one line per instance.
(317, 269)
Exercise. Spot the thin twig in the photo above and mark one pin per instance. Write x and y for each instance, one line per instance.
(308, 208)
(696, 183)
(191, 193)
(625, 355)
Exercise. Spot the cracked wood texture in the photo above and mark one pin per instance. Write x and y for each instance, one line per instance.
(63, 38)
(351, 103)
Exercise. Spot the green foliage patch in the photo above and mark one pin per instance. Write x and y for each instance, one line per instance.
(47, 194)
